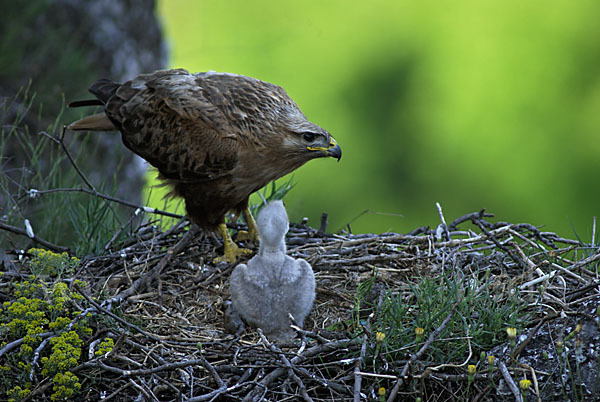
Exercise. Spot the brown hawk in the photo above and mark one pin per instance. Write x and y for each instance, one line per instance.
(214, 137)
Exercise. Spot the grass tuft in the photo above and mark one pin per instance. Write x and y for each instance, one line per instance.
(33, 186)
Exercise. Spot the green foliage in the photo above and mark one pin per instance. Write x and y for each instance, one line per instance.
(66, 351)
(65, 386)
(18, 393)
(588, 246)
(269, 193)
(94, 222)
(470, 104)
(46, 262)
(482, 315)
(82, 222)
(106, 346)
(43, 312)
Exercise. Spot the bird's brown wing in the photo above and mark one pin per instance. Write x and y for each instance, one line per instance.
(165, 118)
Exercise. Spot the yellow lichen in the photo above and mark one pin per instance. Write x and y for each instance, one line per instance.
(40, 308)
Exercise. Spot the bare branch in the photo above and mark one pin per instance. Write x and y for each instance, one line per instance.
(35, 238)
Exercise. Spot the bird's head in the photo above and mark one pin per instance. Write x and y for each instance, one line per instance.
(311, 140)
(273, 224)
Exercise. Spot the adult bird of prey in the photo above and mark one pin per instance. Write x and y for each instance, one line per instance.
(215, 138)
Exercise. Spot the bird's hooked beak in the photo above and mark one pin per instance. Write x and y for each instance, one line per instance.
(332, 150)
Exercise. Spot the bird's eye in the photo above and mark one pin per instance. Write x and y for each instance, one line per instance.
(309, 137)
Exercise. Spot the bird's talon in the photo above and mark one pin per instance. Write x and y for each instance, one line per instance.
(242, 235)
(231, 255)
(252, 233)
(232, 251)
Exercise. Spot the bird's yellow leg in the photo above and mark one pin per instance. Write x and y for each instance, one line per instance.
(232, 251)
(252, 233)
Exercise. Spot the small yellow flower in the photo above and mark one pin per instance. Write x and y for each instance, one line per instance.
(379, 336)
(471, 369)
(419, 333)
(578, 328)
(511, 332)
(491, 360)
(524, 384)
(381, 391)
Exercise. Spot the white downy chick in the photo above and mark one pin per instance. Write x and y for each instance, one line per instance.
(272, 284)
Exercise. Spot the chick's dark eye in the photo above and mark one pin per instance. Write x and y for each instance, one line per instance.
(309, 137)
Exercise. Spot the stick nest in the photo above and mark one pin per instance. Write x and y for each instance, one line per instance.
(162, 300)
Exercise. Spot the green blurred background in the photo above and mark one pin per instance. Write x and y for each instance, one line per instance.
(472, 104)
